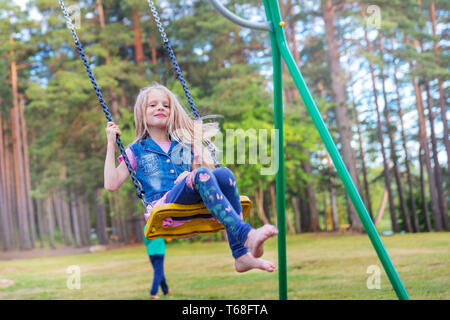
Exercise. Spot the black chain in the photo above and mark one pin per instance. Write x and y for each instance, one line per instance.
(139, 191)
(179, 73)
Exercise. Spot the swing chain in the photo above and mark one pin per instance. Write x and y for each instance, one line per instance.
(173, 58)
(179, 73)
(158, 21)
(139, 191)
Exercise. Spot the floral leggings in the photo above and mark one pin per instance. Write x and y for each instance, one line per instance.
(219, 193)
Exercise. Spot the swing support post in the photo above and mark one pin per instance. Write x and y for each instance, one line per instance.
(280, 174)
(281, 51)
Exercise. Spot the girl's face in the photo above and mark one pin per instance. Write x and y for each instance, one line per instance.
(158, 110)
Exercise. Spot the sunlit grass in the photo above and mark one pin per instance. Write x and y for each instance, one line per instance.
(320, 266)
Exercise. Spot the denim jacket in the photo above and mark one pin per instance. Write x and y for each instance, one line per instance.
(157, 170)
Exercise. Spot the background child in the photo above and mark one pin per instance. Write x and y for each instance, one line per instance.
(170, 171)
(156, 250)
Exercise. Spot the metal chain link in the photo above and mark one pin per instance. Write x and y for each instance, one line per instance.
(139, 191)
(179, 73)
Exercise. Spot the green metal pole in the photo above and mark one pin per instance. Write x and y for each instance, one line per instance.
(279, 177)
(332, 150)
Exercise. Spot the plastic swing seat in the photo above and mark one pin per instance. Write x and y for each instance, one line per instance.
(197, 220)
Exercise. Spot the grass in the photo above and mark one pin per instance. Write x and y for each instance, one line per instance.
(320, 266)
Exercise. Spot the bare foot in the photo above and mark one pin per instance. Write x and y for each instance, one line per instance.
(256, 238)
(247, 262)
(154, 297)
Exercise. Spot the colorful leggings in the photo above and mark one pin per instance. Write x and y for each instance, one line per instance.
(219, 193)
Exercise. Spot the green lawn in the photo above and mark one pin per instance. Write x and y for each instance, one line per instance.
(320, 266)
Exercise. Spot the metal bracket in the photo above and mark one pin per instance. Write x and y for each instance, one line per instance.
(264, 26)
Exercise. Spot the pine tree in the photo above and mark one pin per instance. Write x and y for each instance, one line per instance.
(338, 89)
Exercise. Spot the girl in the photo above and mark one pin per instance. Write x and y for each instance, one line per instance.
(170, 171)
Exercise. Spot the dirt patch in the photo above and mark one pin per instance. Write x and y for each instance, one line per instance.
(57, 252)
(39, 253)
(331, 234)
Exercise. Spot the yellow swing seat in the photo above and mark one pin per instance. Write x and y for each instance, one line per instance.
(193, 227)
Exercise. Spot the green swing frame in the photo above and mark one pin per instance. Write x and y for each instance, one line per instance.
(281, 52)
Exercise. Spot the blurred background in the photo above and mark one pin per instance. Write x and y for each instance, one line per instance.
(378, 71)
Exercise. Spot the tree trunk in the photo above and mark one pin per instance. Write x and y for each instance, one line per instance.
(5, 231)
(40, 220)
(311, 198)
(259, 195)
(338, 88)
(332, 190)
(442, 200)
(64, 199)
(267, 210)
(83, 210)
(363, 162)
(113, 214)
(292, 95)
(139, 225)
(387, 179)
(424, 142)
(66, 218)
(24, 227)
(138, 48)
(59, 216)
(298, 226)
(75, 218)
(112, 93)
(442, 99)
(26, 162)
(295, 51)
(415, 218)
(403, 207)
(154, 53)
(326, 210)
(290, 90)
(273, 203)
(50, 221)
(304, 211)
(100, 219)
(120, 228)
(289, 223)
(11, 203)
(422, 193)
(381, 207)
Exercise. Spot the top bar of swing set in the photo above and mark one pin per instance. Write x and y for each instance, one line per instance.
(280, 50)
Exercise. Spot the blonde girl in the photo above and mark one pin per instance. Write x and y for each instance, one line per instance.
(174, 166)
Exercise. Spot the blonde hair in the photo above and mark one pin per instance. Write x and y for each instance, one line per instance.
(180, 127)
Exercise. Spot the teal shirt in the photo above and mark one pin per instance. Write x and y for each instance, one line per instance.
(155, 246)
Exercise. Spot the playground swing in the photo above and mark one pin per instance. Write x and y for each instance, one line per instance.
(192, 220)
(280, 51)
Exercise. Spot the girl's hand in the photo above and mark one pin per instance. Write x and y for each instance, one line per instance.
(181, 176)
(112, 130)
(190, 179)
